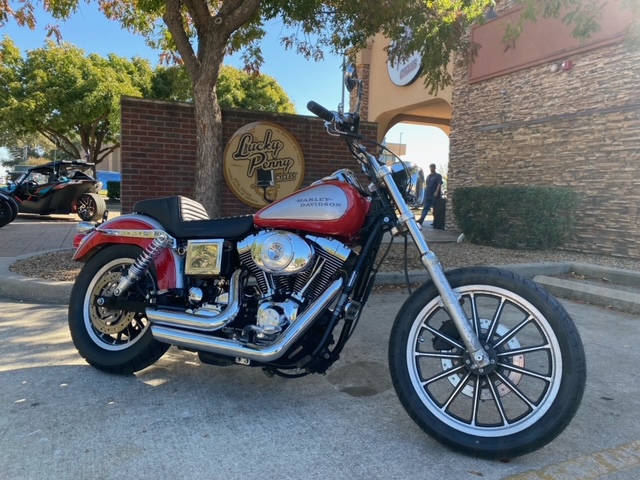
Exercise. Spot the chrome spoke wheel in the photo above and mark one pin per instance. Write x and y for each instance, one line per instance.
(109, 328)
(504, 398)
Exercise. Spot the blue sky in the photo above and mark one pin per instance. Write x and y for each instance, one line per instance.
(302, 80)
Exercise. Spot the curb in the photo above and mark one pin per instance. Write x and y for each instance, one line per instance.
(26, 289)
(608, 297)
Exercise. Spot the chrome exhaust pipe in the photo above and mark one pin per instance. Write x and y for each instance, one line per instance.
(202, 319)
(233, 348)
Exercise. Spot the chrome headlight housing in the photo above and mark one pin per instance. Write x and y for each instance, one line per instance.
(409, 178)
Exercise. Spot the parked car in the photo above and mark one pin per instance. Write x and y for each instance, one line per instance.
(58, 187)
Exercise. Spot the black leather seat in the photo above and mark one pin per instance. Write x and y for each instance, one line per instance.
(187, 219)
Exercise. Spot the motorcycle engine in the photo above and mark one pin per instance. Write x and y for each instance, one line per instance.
(290, 272)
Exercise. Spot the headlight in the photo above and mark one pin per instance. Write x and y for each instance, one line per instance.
(409, 179)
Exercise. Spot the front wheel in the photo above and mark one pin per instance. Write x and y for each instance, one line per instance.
(114, 341)
(523, 399)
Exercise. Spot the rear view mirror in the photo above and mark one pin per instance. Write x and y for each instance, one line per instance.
(350, 77)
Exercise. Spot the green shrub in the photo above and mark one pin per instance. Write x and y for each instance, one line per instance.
(516, 216)
(113, 190)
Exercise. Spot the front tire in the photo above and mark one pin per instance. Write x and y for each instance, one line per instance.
(114, 341)
(518, 404)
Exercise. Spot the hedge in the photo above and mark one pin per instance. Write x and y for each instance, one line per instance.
(516, 216)
(113, 190)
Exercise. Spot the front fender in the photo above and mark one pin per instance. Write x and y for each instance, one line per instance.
(168, 263)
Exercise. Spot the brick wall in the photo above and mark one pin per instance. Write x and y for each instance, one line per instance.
(159, 149)
(577, 128)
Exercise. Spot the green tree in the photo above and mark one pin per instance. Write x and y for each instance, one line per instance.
(71, 99)
(235, 89)
(201, 32)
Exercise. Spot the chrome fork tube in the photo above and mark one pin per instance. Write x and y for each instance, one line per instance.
(433, 266)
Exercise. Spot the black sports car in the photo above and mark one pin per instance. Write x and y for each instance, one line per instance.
(56, 187)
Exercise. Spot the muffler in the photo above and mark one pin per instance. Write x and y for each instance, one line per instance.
(233, 348)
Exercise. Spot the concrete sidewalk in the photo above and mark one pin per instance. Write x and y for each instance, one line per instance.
(61, 419)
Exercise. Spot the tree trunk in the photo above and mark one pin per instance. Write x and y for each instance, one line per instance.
(214, 27)
(208, 174)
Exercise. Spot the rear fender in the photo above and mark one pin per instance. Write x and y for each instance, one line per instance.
(168, 263)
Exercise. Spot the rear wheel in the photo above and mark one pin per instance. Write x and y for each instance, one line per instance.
(518, 403)
(91, 207)
(114, 341)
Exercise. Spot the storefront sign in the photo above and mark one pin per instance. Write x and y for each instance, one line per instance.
(405, 72)
(263, 163)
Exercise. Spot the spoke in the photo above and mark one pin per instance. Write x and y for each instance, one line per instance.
(496, 320)
(498, 402)
(442, 375)
(444, 337)
(515, 390)
(456, 392)
(524, 371)
(522, 351)
(451, 356)
(476, 402)
(511, 333)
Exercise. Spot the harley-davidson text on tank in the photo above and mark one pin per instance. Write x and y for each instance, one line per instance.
(330, 208)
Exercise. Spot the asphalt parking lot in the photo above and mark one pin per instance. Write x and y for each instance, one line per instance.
(60, 418)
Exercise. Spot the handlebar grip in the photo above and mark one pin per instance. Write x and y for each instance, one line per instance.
(320, 111)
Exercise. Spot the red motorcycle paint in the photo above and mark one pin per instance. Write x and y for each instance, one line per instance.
(331, 208)
(167, 263)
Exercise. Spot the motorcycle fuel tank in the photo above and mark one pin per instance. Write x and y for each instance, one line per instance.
(331, 208)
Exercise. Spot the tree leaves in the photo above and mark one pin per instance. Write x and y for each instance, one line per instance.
(70, 98)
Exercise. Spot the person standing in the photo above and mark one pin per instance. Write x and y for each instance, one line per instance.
(433, 192)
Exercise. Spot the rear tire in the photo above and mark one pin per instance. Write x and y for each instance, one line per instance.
(114, 341)
(91, 207)
(518, 404)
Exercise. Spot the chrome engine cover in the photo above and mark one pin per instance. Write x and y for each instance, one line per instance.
(278, 252)
(319, 260)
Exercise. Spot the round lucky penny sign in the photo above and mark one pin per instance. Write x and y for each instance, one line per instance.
(263, 163)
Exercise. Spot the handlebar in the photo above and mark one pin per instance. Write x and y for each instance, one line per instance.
(320, 111)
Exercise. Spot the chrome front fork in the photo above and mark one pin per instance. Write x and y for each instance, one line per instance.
(449, 298)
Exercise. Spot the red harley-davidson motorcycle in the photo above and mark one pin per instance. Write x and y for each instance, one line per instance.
(482, 359)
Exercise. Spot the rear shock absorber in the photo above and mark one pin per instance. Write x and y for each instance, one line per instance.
(140, 266)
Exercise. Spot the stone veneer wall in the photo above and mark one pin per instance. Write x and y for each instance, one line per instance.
(159, 149)
(579, 128)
